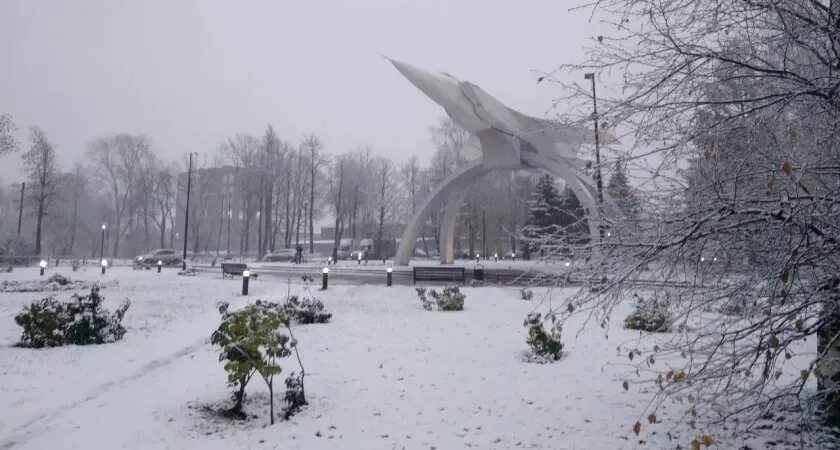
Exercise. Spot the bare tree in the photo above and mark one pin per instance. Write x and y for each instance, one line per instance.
(117, 161)
(315, 162)
(732, 109)
(42, 171)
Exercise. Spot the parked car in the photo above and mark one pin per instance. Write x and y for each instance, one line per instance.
(167, 256)
(283, 254)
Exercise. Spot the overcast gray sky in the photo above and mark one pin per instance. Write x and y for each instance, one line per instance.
(190, 73)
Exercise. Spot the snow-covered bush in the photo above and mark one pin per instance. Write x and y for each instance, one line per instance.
(306, 311)
(526, 294)
(82, 321)
(252, 341)
(450, 300)
(295, 396)
(58, 279)
(53, 283)
(650, 315)
(75, 264)
(545, 344)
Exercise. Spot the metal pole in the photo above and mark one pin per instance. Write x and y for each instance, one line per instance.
(228, 228)
(102, 245)
(20, 210)
(187, 215)
(591, 76)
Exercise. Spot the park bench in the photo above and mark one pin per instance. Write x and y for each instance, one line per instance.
(439, 274)
(235, 269)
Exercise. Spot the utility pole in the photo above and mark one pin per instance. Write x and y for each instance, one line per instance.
(187, 215)
(599, 182)
(20, 210)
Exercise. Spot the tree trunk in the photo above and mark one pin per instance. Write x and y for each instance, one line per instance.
(828, 345)
(39, 220)
(72, 242)
(311, 210)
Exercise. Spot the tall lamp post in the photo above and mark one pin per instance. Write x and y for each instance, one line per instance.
(187, 214)
(598, 181)
(102, 243)
(20, 210)
(591, 76)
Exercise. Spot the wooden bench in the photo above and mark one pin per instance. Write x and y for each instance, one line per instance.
(439, 274)
(235, 269)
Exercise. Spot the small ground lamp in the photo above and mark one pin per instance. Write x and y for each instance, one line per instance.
(160, 264)
(329, 260)
(513, 256)
(246, 275)
(389, 273)
(325, 273)
(104, 264)
(360, 258)
(568, 264)
(495, 256)
(477, 256)
(42, 265)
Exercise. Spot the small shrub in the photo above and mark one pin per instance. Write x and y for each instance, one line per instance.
(650, 315)
(545, 345)
(306, 311)
(75, 264)
(82, 321)
(58, 279)
(451, 299)
(252, 342)
(526, 294)
(295, 397)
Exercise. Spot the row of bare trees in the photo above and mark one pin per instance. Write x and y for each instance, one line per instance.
(265, 191)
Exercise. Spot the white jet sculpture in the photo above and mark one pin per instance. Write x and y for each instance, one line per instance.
(501, 139)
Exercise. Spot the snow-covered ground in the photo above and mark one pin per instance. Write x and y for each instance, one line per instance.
(383, 374)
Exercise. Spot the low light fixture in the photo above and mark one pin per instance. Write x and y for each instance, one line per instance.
(325, 270)
(246, 274)
(568, 264)
(104, 263)
(43, 263)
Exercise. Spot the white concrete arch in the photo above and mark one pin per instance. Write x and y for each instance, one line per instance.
(459, 180)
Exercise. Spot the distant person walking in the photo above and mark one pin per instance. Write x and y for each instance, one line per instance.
(299, 254)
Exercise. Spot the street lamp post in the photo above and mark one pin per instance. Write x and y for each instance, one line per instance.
(390, 273)
(102, 245)
(43, 265)
(187, 214)
(591, 76)
(230, 213)
(598, 178)
(325, 274)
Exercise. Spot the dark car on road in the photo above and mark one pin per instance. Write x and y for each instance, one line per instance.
(167, 257)
(283, 254)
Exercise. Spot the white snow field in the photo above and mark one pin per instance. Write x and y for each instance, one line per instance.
(384, 374)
